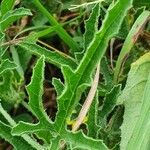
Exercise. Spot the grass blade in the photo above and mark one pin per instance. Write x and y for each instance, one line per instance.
(130, 41)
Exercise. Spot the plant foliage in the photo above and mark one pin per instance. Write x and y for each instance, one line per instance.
(118, 117)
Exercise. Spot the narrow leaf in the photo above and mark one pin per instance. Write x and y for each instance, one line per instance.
(6, 5)
(141, 3)
(130, 41)
(55, 57)
(59, 30)
(13, 15)
(35, 103)
(91, 26)
(59, 87)
(92, 123)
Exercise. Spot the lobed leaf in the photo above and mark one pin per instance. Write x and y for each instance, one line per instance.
(91, 27)
(78, 79)
(35, 91)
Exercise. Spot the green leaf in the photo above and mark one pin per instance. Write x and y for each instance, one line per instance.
(9, 93)
(132, 97)
(109, 103)
(6, 5)
(91, 26)
(35, 103)
(25, 127)
(17, 142)
(16, 59)
(107, 74)
(76, 81)
(7, 65)
(24, 57)
(130, 41)
(55, 57)
(27, 138)
(13, 15)
(2, 39)
(141, 133)
(141, 3)
(59, 86)
(79, 140)
(35, 98)
(92, 123)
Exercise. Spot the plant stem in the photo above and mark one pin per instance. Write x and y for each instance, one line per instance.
(60, 31)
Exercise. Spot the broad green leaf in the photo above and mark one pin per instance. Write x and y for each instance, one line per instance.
(55, 57)
(130, 41)
(17, 142)
(7, 65)
(141, 134)
(13, 15)
(132, 97)
(6, 5)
